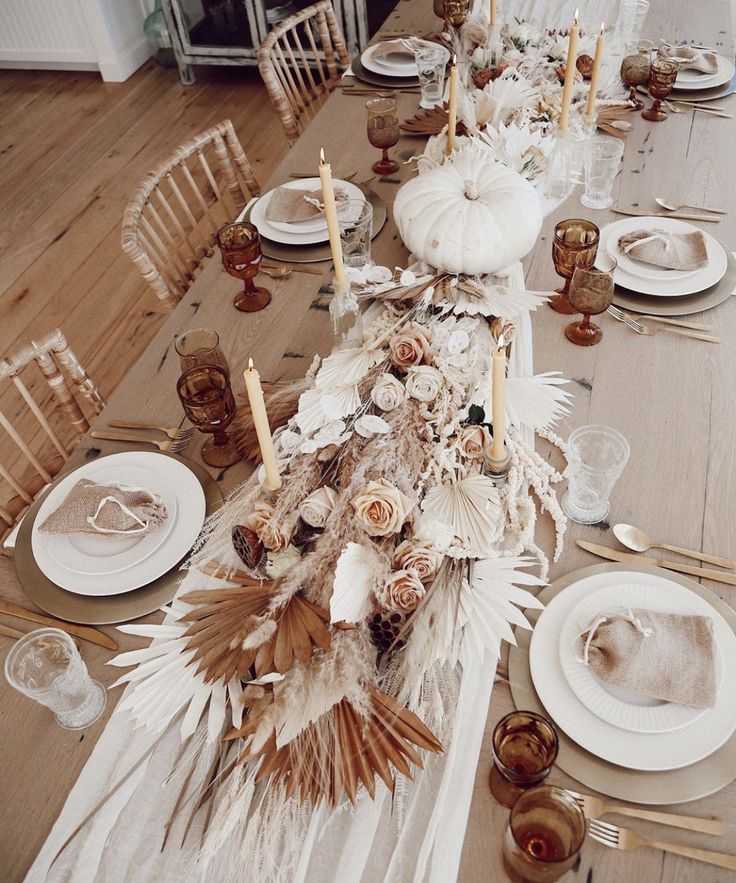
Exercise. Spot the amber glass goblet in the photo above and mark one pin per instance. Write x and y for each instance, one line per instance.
(634, 73)
(240, 246)
(200, 346)
(383, 132)
(575, 244)
(524, 749)
(456, 12)
(591, 293)
(207, 399)
(662, 76)
(545, 832)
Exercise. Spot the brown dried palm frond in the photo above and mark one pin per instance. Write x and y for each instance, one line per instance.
(220, 626)
(615, 120)
(333, 755)
(300, 626)
(282, 402)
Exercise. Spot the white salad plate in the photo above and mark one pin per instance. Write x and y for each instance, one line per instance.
(391, 65)
(692, 80)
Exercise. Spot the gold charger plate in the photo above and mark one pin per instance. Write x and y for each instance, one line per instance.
(307, 254)
(362, 73)
(680, 306)
(88, 609)
(672, 786)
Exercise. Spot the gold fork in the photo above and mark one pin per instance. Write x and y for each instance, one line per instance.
(594, 808)
(175, 433)
(626, 839)
(168, 447)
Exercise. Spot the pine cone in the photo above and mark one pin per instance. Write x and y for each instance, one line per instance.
(385, 626)
(249, 548)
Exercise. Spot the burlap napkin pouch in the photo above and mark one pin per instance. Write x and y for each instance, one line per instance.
(669, 656)
(671, 251)
(401, 51)
(702, 60)
(112, 510)
(289, 205)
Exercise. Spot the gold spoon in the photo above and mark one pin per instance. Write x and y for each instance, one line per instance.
(636, 539)
(676, 206)
(283, 272)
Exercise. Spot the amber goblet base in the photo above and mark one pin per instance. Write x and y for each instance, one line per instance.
(222, 453)
(584, 333)
(252, 299)
(560, 302)
(656, 113)
(634, 100)
(385, 165)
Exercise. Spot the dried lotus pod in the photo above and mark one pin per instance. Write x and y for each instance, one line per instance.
(385, 628)
(584, 64)
(248, 546)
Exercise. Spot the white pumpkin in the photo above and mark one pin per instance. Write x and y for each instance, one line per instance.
(470, 215)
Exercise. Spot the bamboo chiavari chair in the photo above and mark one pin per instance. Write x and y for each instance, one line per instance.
(56, 362)
(169, 225)
(301, 62)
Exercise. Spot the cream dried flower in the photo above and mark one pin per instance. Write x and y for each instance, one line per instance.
(318, 506)
(472, 441)
(401, 592)
(381, 508)
(410, 346)
(275, 536)
(388, 392)
(422, 559)
(278, 563)
(423, 383)
(259, 516)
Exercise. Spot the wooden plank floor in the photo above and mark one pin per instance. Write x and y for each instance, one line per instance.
(72, 149)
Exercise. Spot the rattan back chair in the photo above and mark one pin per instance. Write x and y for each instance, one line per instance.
(32, 450)
(301, 61)
(170, 223)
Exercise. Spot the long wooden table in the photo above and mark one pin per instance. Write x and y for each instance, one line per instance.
(671, 397)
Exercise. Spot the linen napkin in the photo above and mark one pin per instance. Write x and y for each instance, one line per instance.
(289, 205)
(112, 509)
(702, 60)
(671, 251)
(669, 656)
(401, 51)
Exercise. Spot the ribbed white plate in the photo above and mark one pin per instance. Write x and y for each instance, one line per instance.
(92, 554)
(622, 708)
(639, 751)
(692, 80)
(297, 234)
(190, 514)
(387, 68)
(669, 285)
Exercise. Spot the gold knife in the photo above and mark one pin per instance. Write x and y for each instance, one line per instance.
(94, 636)
(712, 219)
(615, 555)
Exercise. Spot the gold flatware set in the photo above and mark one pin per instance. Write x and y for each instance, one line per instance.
(651, 325)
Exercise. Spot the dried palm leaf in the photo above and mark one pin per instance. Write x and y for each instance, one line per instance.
(300, 626)
(431, 122)
(341, 750)
(615, 120)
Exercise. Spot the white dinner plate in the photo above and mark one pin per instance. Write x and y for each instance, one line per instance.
(92, 554)
(623, 708)
(284, 233)
(691, 80)
(638, 751)
(190, 514)
(387, 67)
(665, 287)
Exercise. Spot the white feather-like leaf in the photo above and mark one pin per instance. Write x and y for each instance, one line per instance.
(371, 424)
(497, 300)
(355, 579)
(318, 407)
(216, 716)
(536, 401)
(471, 506)
(347, 366)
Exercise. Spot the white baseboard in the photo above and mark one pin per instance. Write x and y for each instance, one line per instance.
(13, 64)
(114, 70)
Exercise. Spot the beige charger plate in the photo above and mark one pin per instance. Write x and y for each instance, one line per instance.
(307, 254)
(106, 610)
(680, 306)
(362, 73)
(672, 786)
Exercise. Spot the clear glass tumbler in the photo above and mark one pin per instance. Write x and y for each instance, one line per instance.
(356, 228)
(602, 157)
(431, 64)
(545, 832)
(638, 17)
(45, 665)
(524, 749)
(596, 457)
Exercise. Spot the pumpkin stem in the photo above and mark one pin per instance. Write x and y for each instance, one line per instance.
(471, 191)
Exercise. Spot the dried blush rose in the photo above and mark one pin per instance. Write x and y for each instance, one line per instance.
(261, 513)
(420, 558)
(388, 392)
(423, 383)
(410, 346)
(473, 441)
(381, 508)
(401, 592)
(318, 506)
